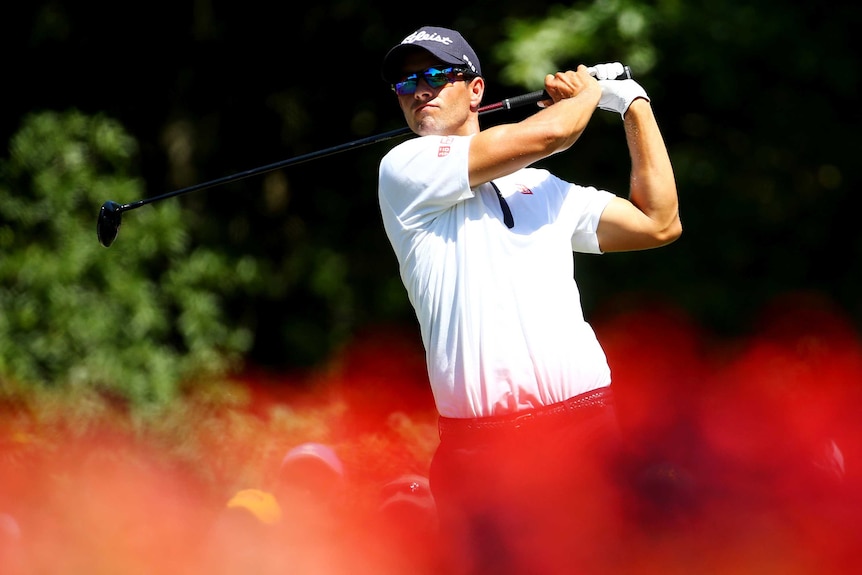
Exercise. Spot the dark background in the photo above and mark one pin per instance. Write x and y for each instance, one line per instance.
(758, 102)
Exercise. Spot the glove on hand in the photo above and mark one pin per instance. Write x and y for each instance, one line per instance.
(617, 95)
(610, 71)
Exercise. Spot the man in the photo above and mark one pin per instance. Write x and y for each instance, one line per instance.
(522, 474)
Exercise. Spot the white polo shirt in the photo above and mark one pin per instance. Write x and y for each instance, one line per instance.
(498, 308)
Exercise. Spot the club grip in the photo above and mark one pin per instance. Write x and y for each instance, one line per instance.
(539, 95)
(525, 99)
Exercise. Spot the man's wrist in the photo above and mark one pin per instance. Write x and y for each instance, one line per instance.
(639, 102)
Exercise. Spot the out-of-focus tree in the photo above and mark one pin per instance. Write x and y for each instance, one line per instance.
(135, 322)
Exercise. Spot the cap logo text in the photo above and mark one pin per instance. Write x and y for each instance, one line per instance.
(423, 36)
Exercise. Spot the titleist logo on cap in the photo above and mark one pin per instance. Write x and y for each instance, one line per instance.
(458, 44)
(448, 46)
(423, 36)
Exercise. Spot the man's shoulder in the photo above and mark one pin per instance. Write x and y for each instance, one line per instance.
(434, 145)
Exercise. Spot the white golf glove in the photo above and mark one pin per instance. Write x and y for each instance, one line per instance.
(617, 95)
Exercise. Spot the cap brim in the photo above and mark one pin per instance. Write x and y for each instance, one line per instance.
(393, 63)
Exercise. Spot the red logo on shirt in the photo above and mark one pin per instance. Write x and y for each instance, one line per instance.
(524, 189)
(445, 148)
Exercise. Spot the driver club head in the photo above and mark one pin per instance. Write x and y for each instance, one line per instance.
(109, 223)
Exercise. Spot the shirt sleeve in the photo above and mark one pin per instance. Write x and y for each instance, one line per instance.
(422, 177)
(592, 203)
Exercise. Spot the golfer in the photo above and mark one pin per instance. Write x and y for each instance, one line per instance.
(523, 474)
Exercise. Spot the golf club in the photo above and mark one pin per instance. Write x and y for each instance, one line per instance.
(110, 214)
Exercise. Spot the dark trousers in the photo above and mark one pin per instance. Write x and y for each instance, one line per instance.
(535, 493)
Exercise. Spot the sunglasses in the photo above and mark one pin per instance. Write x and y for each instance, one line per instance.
(434, 77)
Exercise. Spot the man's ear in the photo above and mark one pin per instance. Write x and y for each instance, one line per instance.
(477, 90)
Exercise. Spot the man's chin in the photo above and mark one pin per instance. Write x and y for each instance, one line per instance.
(426, 128)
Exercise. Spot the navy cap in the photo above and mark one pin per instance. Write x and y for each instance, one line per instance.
(447, 45)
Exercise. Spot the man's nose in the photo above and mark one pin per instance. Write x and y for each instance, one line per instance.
(423, 87)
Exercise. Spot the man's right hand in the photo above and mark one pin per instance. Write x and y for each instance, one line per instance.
(569, 84)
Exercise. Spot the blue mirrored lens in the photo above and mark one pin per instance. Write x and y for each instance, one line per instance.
(407, 86)
(434, 77)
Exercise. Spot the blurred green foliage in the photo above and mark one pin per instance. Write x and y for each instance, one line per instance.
(609, 30)
(134, 322)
